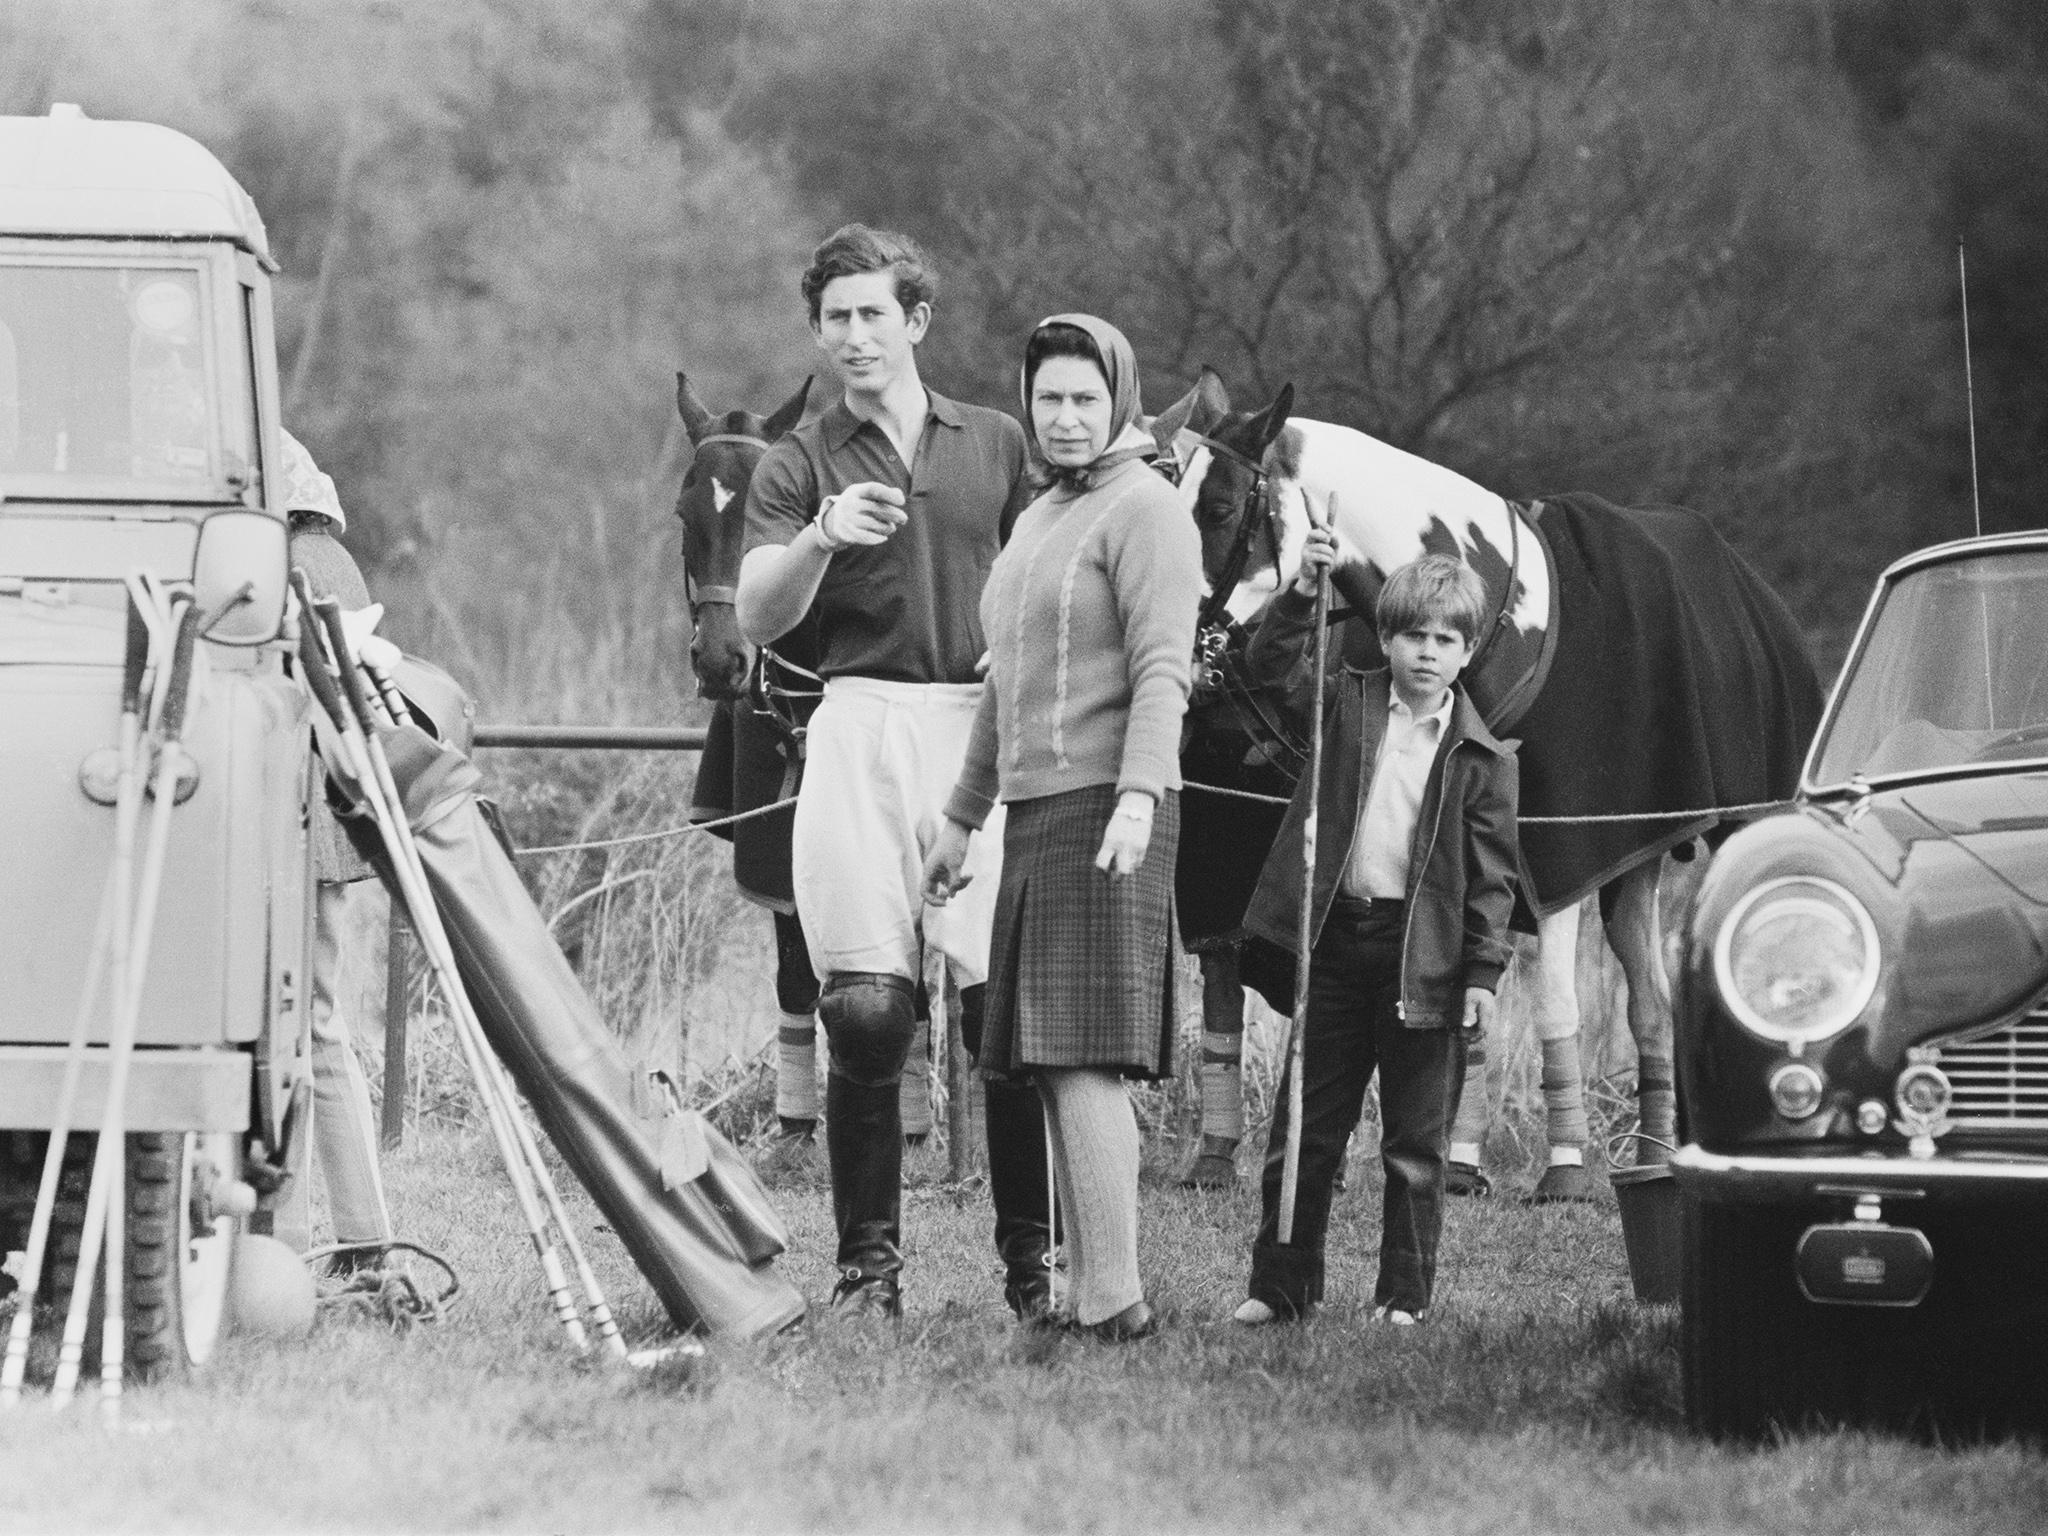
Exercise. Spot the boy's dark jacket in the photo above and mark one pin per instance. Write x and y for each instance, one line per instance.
(1462, 865)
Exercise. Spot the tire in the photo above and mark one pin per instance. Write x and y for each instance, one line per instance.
(177, 1277)
(178, 1260)
(1756, 1355)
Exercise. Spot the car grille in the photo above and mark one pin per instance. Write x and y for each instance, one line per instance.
(2001, 1080)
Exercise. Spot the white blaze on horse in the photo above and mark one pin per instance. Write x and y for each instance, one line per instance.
(1655, 682)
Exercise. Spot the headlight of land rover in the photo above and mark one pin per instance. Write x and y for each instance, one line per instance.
(1797, 959)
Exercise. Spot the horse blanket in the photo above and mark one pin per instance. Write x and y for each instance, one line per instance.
(1681, 687)
(750, 760)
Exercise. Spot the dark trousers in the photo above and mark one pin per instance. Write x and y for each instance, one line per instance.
(1354, 1030)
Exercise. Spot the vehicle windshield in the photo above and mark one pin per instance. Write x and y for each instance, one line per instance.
(115, 385)
(1953, 672)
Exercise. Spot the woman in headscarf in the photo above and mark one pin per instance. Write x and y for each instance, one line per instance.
(1090, 618)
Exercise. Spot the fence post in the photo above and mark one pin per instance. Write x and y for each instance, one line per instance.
(396, 965)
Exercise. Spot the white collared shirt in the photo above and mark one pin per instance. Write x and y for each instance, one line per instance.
(1379, 854)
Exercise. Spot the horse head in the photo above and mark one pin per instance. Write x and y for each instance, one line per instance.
(1222, 458)
(726, 446)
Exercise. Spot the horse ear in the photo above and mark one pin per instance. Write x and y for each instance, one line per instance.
(1212, 399)
(1264, 427)
(1167, 425)
(789, 414)
(695, 417)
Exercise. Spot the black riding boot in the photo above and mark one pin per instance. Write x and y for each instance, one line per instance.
(864, 1140)
(1017, 1185)
(868, 1023)
(1016, 1175)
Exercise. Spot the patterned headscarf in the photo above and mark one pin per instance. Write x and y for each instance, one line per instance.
(306, 488)
(1127, 439)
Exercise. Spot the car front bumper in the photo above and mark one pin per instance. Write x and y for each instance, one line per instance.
(1964, 1178)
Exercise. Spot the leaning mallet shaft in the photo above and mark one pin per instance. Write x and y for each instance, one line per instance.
(386, 813)
(362, 701)
(105, 1199)
(113, 921)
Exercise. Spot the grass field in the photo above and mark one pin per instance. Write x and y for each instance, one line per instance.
(1540, 1398)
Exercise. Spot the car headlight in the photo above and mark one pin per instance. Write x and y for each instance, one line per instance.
(1797, 959)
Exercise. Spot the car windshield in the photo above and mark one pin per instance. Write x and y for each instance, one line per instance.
(114, 386)
(1952, 672)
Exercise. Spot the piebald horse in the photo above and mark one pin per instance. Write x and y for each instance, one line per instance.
(1253, 481)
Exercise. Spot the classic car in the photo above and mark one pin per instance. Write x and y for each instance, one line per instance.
(1862, 1031)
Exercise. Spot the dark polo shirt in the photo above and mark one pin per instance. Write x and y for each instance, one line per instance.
(908, 610)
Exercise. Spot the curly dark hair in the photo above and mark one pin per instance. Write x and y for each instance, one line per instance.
(855, 249)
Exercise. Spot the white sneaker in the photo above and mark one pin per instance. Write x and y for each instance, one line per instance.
(1254, 1314)
(1395, 1316)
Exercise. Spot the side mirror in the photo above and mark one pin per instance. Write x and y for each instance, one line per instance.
(238, 577)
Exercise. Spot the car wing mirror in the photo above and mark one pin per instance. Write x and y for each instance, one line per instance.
(238, 577)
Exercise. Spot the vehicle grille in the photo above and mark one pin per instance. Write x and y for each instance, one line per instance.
(2001, 1081)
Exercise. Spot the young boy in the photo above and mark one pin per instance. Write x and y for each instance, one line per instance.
(1414, 883)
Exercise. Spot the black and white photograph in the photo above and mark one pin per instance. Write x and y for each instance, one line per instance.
(1024, 766)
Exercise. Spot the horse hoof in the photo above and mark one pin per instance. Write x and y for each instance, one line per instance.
(1563, 1183)
(1212, 1170)
(1466, 1179)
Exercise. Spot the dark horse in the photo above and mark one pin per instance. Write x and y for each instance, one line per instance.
(750, 757)
(1658, 687)
(753, 753)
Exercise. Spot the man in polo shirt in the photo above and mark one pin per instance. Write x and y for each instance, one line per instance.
(881, 518)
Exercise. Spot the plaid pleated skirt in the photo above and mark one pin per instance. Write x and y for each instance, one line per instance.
(1080, 966)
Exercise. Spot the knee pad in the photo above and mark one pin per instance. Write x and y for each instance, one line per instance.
(796, 983)
(869, 1019)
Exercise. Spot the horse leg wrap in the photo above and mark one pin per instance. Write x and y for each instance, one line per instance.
(1223, 1086)
(915, 1087)
(1222, 1053)
(796, 1060)
(1468, 1130)
(1657, 1100)
(796, 1073)
(1564, 1098)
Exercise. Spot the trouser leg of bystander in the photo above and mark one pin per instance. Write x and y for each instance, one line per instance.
(1016, 1173)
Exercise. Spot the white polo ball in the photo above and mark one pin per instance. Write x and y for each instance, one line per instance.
(270, 1291)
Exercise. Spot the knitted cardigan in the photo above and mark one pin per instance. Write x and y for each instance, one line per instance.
(1090, 619)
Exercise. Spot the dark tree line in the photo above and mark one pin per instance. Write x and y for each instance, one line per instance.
(1690, 250)
(1699, 251)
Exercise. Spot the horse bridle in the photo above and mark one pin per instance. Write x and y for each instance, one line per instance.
(700, 596)
(1254, 513)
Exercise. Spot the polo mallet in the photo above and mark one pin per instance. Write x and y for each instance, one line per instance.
(354, 722)
(374, 661)
(106, 1199)
(379, 658)
(1290, 1167)
(111, 930)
